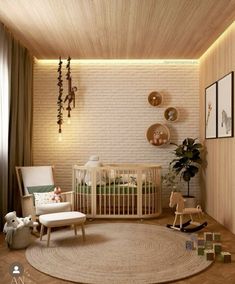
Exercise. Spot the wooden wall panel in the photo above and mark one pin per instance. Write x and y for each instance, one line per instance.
(219, 175)
(109, 29)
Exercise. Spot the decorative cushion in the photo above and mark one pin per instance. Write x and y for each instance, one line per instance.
(43, 198)
(53, 208)
(40, 189)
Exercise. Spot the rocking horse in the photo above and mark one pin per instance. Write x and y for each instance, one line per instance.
(176, 198)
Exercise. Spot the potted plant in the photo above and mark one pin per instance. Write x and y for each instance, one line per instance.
(187, 164)
(170, 179)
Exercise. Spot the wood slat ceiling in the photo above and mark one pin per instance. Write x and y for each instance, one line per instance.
(117, 29)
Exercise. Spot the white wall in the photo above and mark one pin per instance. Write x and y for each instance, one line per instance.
(112, 113)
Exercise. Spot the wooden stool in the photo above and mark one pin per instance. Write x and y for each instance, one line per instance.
(62, 219)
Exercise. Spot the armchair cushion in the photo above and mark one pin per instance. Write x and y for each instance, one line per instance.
(53, 208)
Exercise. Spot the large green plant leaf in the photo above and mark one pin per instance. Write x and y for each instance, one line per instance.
(197, 146)
(179, 151)
(186, 175)
(193, 170)
(178, 166)
(188, 154)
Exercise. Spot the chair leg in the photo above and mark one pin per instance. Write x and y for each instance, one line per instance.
(75, 230)
(175, 220)
(41, 231)
(48, 236)
(83, 233)
(181, 221)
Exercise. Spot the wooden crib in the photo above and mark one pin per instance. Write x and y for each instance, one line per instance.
(118, 190)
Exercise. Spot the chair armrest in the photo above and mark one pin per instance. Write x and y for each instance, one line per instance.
(27, 196)
(68, 196)
(67, 192)
(28, 206)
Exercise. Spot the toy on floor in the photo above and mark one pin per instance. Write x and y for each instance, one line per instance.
(18, 230)
(176, 198)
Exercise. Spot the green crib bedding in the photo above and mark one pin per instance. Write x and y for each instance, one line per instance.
(115, 189)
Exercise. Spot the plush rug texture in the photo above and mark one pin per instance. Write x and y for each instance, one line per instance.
(117, 253)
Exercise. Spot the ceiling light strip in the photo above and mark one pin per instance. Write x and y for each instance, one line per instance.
(125, 61)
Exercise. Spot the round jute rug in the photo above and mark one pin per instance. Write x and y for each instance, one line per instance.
(117, 253)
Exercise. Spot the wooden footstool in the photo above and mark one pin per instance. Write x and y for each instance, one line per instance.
(61, 219)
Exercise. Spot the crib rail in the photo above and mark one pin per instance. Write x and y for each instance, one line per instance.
(118, 191)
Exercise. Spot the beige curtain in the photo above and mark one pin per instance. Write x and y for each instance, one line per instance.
(5, 78)
(20, 126)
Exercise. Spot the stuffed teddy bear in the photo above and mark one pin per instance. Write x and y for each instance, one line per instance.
(57, 195)
(18, 230)
(94, 162)
(171, 115)
(28, 222)
(12, 222)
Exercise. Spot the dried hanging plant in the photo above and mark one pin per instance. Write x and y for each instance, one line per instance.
(71, 90)
(71, 93)
(60, 100)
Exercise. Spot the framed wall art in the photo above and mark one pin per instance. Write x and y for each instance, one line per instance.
(211, 111)
(225, 106)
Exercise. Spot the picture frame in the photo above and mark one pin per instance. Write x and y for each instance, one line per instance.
(211, 111)
(225, 112)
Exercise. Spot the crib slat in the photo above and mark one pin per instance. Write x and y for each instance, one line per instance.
(109, 192)
(149, 209)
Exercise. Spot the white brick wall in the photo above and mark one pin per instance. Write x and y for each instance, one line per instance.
(112, 114)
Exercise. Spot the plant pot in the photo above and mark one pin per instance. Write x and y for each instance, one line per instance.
(189, 201)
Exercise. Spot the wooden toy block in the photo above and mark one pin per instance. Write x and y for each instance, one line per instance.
(208, 236)
(219, 257)
(210, 255)
(208, 245)
(189, 245)
(217, 237)
(200, 250)
(201, 242)
(226, 256)
(217, 248)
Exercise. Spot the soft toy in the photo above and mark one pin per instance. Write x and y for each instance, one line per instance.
(12, 221)
(12, 224)
(18, 230)
(57, 195)
(171, 115)
(94, 162)
(28, 222)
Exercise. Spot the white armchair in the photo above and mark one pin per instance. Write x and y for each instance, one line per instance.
(39, 179)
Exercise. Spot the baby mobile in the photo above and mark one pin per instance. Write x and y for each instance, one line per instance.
(70, 97)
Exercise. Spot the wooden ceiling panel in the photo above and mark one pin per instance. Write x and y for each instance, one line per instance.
(117, 29)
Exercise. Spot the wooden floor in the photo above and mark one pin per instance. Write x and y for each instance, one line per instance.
(217, 273)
